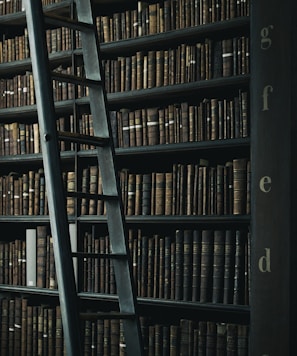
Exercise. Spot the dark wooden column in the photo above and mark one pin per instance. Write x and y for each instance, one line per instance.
(274, 177)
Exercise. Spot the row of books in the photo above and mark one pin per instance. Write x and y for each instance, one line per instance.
(19, 90)
(190, 265)
(190, 189)
(12, 6)
(19, 138)
(209, 119)
(183, 64)
(29, 260)
(186, 63)
(14, 49)
(25, 193)
(167, 15)
(17, 48)
(31, 329)
(197, 338)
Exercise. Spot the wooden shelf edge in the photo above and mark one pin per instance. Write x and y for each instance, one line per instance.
(19, 18)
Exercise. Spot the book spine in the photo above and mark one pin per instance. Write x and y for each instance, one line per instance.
(31, 257)
(41, 236)
(206, 265)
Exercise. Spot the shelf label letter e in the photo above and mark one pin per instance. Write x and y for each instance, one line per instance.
(265, 184)
(267, 89)
(264, 262)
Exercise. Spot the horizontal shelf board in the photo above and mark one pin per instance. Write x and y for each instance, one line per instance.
(174, 219)
(19, 18)
(30, 111)
(184, 147)
(33, 157)
(167, 39)
(28, 290)
(28, 219)
(7, 69)
(236, 24)
(211, 311)
(153, 96)
(139, 219)
(181, 309)
(138, 151)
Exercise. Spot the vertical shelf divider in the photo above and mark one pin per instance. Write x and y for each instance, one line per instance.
(274, 165)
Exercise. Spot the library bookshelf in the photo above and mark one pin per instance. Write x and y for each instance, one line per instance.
(178, 76)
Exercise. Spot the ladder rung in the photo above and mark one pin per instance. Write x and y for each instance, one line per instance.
(61, 21)
(106, 315)
(84, 139)
(115, 256)
(68, 78)
(92, 196)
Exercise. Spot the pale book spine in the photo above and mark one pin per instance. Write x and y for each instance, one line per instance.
(31, 264)
(73, 243)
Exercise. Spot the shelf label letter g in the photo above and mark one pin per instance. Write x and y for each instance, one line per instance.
(266, 41)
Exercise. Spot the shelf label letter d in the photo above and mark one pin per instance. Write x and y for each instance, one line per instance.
(264, 262)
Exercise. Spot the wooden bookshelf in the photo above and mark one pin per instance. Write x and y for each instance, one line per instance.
(176, 316)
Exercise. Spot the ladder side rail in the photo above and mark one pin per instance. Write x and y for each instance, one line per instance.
(110, 182)
(105, 154)
(53, 176)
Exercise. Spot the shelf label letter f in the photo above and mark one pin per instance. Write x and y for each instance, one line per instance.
(267, 89)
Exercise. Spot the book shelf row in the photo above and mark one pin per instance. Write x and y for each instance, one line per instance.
(206, 265)
(33, 329)
(196, 338)
(151, 18)
(209, 119)
(190, 265)
(17, 48)
(188, 189)
(19, 90)
(19, 138)
(12, 6)
(184, 63)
